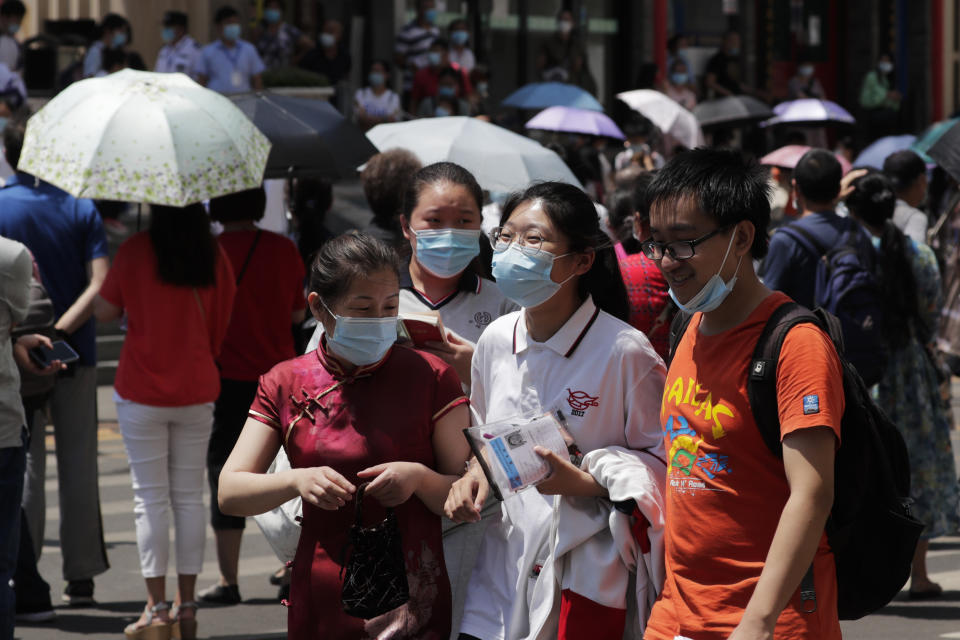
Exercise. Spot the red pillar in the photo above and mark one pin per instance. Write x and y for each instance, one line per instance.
(936, 59)
(660, 36)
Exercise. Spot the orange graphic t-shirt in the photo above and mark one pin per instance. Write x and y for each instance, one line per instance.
(726, 490)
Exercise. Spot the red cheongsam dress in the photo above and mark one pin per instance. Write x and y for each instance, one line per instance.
(379, 413)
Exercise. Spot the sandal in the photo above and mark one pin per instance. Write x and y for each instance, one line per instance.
(185, 628)
(152, 628)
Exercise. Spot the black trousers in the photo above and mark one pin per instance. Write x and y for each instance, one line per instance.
(229, 416)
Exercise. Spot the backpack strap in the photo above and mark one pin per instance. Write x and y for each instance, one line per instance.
(806, 239)
(678, 327)
(762, 377)
(246, 262)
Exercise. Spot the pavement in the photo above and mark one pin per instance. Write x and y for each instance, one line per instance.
(121, 593)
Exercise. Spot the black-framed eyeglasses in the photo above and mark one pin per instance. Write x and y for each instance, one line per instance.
(678, 249)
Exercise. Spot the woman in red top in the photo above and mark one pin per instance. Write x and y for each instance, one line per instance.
(269, 276)
(176, 287)
(357, 409)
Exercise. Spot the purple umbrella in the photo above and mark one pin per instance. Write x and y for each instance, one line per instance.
(573, 120)
(808, 111)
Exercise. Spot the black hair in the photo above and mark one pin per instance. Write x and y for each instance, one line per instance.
(113, 57)
(672, 42)
(175, 19)
(436, 173)
(185, 249)
(441, 43)
(224, 13)
(641, 194)
(620, 209)
(903, 168)
(457, 21)
(677, 62)
(818, 175)
(381, 61)
(13, 8)
(573, 214)
(385, 177)
(310, 201)
(112, 22)
(479, 70)
(725, 184)
(240, 206)
(873, 201)
(345, 258)
(13, 99)
(13, 140)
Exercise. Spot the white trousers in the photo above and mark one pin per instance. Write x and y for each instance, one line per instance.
(167, 450)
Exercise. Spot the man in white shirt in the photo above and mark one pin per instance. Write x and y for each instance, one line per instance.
(180, 52)
(11, 15)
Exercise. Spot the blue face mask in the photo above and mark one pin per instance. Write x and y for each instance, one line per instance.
(441, 112)
(13, 28)
(3, 122)
(447, 252)
(459, 38)
(430, 15)
(434, 58)
(526, 279)
(446, 92)
(714, 292)
(231, 32)
(272, 16)
(328, 40)
(376, 79)
(678, 78)
(483, 88)
(361, 341)
(167, 35)
(119, 39)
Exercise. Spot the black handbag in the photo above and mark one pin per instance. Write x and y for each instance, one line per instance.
(373, 572)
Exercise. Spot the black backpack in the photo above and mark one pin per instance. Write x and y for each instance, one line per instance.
(870, 529)
(847, 287)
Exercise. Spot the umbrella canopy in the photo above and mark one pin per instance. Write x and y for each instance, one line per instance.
(540, 95)
(946, 151)
(877, 152)
(309, 138)
(930, 137)
(573, 120)
(500, 159)
(809, 111)
(790, 155)
(731, 111)
(666, 114)
(137, 136)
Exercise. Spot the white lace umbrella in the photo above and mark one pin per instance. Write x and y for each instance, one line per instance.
(137, 136)
(666, 114)
(499, 159)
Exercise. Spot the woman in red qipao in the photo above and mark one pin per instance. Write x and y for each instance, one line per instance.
(358, 409)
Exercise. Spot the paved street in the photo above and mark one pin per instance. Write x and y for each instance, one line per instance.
(120, 592)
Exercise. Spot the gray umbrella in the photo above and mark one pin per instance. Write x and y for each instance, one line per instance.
(731, 111)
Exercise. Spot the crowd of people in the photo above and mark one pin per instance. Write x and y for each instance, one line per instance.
(670, 517)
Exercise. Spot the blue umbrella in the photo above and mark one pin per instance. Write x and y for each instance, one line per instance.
(876, 153)
(540, 95)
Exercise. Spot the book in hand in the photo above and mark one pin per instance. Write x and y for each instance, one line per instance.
(505, 452)
(421, 327)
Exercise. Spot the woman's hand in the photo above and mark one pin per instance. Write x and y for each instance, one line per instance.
(567, 479)
(21, 353)
(323, 487)
(456, 352)
(394, 482)
(467, 496)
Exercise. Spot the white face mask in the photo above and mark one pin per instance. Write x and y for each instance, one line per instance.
(714, 292)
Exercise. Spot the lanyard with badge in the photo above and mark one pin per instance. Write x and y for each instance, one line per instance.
(236, 78)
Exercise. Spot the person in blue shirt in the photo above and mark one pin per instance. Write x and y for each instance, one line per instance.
(791, 268)
(114, 34)
(66, 237)
(230, 64)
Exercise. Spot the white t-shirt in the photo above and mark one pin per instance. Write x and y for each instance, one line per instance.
(385, 105)
(608, 382)
(468, 311)
(464, 59)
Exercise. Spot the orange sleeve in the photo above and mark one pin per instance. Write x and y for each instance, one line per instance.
(809, 382)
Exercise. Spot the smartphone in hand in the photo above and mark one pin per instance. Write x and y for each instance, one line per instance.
(44, 357)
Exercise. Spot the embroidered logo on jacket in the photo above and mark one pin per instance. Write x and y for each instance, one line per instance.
(580, 401)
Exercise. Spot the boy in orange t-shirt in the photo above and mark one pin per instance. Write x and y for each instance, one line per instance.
(742, 526)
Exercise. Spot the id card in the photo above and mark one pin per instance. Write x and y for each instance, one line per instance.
(236, 79)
